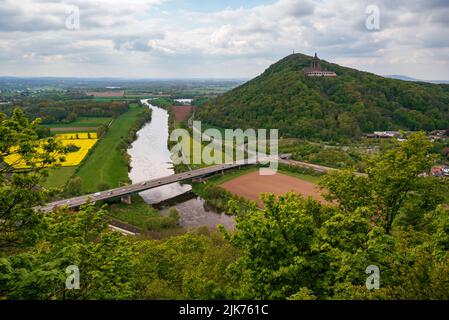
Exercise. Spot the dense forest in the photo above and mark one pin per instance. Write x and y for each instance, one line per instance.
(393, 219)
(345, 107)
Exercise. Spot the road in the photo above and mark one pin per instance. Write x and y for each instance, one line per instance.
(314, 167)
(151, 184)
(311, 166)
(143, 186)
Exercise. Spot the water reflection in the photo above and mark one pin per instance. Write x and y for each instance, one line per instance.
(150, 159)
(196, 213)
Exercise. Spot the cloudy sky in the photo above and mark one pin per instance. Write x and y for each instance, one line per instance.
(219, 39)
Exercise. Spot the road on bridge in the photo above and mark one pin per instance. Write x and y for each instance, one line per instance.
(143, 186)
(151, 184)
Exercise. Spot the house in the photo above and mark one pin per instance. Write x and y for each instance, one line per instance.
(438, 133)
(446, 171)
(437, 171)
(440, 171)
(384, 135)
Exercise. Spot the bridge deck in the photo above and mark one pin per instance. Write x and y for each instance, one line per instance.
(142, 186)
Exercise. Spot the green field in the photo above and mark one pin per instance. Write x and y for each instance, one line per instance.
(136, 214)
(105, 165)
(106, 99)
(81, 122)
(58, 177)
(190, 143)
(301, 176)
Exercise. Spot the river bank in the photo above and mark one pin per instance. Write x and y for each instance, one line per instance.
(150, 158)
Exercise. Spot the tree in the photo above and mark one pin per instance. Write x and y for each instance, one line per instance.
(43, 132)
(74, 186)
(103, 186)
(300, 249)
(393, 176)
(36, 248)
(104, 259)
(72, 116)
(19, 179)
(190, 266)
(393, 218)
(284, 97)
(72, 148)
(281, 253)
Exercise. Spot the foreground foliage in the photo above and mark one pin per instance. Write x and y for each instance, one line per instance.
(393, 218)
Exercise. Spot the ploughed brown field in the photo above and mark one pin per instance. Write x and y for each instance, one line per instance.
(182, 113)
(251, 185)
(106, 94)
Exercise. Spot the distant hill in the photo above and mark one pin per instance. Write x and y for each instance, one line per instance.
(406, 78)
(439, 81)
(355, 102)
(400, 77)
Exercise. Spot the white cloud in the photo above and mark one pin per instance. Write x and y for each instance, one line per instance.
(135, 38)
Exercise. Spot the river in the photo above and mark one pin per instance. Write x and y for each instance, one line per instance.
(150, 159)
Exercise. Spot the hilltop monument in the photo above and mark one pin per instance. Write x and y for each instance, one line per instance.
(315, 69)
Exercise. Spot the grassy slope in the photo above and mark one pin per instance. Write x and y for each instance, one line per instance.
(135, 214)
(191, 141)
(58, 177)
(301, 176)
(105, 164)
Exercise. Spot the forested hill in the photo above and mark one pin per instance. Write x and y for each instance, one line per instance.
(284, 97)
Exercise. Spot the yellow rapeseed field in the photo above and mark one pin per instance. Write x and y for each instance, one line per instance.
(71, 158)
(75, 158)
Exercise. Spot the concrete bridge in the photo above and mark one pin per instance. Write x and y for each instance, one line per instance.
(76, 202)
(125, 191)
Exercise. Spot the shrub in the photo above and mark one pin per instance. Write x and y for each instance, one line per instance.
(163, 222)
(72, 148)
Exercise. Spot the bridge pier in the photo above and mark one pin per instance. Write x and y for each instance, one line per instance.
(126, 199)
(199, 175)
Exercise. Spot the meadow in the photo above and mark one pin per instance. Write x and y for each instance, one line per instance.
(105, 165)
(80, 123)
(58, 177)
(136, 214)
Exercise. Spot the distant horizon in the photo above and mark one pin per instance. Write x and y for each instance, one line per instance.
(403, 77)
(120, 78)
(390, 76)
